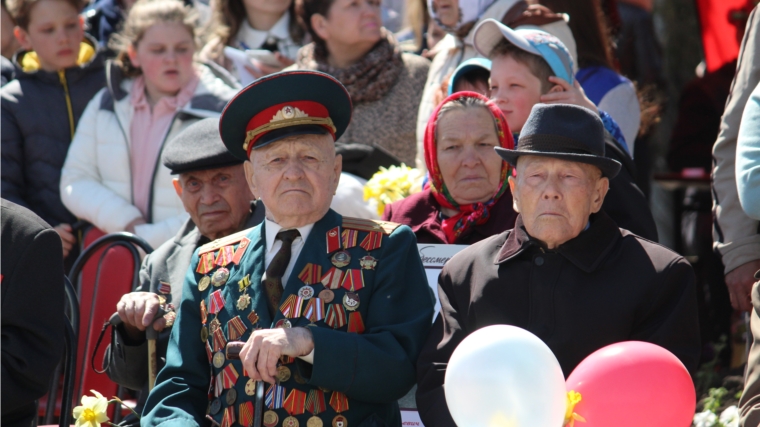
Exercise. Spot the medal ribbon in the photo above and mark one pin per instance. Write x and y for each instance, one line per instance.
(288, 307)
(333, 240)
(229, 376)
(245, 414)
(244, 283)
(336, 316)
(332, 279)
(205, 263)
(311, 274)
(219, 341)
(315, 402)
(315, 310)
(353, 280)
(218, 389)
(225, 256)
(372, 240)
(216, 302)
(235, 328)
(209, 353)
(253, 317)
(165, 288)
(349, 238)
(339, 402)
(355, 322)
(229, 417)
(295, 403)
(204, 312)
(274, 396)
(240, 250)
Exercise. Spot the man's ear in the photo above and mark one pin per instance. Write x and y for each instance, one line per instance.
(177, 186)
(556, 88)
(319, 25)
(512, 181)
(248, 168)
(23, 38)
(600, 191)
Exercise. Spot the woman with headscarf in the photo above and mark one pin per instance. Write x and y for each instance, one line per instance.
(459, 18)
(468, 198)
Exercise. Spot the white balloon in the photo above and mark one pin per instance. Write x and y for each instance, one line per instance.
(504, 376)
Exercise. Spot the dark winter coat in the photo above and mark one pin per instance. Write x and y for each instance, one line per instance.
(36, 132)
(604, 286)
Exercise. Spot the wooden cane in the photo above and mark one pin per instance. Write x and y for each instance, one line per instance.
(232, 351)
(151, 334)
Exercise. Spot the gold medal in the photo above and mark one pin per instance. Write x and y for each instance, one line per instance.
(327, 296)
(220, 277)
(340, 421)
(341, 259)
(368, 262)
(290, 422)
(270, 418)
(204, 334)
(214, 325)
(250, 387)
(219, 359)
(283, 374)
(203, 283)
(298, 378)
(351, 301)
(243, 302)
(314, 421)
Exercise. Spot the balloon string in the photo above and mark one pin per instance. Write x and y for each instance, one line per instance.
(573, 398)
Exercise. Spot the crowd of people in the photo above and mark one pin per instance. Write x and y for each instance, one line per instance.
(236, 136)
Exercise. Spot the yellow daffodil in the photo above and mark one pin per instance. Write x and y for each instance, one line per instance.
(389, 185)
(92, 412)
(573, 398)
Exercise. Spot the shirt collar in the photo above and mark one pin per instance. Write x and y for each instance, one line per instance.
(271, 229)
(252, 38)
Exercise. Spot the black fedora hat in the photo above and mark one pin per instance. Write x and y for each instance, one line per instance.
(563, 131)
(284, 104)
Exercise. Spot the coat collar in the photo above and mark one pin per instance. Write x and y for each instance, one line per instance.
(587, 250)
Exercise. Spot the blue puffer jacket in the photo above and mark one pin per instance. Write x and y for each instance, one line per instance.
(38, 110)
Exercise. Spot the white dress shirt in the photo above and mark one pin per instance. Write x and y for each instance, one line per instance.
(271, 229)
(251, 38)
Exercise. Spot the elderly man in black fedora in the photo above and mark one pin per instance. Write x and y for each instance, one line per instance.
(566, 272)
(211, 183)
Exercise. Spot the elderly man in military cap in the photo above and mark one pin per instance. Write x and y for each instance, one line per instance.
(321, 316)
(211, 183)
(566, 272)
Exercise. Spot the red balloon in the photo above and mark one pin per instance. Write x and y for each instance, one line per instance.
(633, 384)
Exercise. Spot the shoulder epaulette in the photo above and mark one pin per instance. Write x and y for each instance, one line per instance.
(224, 241)
(362, 224)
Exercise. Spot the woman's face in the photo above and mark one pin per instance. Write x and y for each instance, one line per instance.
(352, 22)
(447, 11)
(165, 56)
(470, 167)
(274, 7)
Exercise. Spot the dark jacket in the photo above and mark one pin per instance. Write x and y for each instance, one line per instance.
(36, 133)
(102, 19)
(604, 286)
(422, 213)
(32, 298)
(373, 368)
(7, 70)
(127, 365)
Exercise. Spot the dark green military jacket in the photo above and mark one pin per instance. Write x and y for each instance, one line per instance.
(362, 373)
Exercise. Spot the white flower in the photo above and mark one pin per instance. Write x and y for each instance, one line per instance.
(705, 419)
(730, 416)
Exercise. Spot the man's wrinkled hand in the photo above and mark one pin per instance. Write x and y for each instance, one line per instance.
(739, 282)
(137, 310)
(264, 348)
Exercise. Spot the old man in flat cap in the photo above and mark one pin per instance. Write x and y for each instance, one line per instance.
(566, 272)
(320, 315)
(211, 183)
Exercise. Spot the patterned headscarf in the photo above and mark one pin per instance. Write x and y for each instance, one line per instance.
(474, 213)
(469, 11)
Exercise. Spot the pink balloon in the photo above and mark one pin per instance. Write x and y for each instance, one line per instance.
(633, 384)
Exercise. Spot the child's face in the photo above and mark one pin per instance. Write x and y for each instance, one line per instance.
(165, 56)
(514, 89)
(54, 32)
(267, 6)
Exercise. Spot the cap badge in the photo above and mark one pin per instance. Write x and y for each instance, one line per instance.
(288, 112)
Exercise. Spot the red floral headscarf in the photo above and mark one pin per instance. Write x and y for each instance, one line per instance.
(475, 213)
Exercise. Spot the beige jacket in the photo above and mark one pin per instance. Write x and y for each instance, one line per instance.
(452, 51)
(735, 235)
